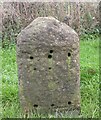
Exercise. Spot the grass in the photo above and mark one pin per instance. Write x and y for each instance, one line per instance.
(89, 67)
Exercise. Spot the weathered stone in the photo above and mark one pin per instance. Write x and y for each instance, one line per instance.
(48, 67)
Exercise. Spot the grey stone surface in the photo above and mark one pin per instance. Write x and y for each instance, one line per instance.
(48, 67)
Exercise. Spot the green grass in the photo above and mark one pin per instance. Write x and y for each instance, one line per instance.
(89, 66)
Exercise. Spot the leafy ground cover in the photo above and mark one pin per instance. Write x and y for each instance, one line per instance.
(89, 78)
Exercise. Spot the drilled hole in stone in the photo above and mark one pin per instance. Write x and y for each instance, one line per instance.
(49, 56)
(50, 68)
(69, 54)
(51, 51)
(34, 68)
(69, 102)
(31, 57)
(35, 105)
(52, 105)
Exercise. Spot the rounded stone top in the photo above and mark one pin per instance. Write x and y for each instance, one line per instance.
(47, 31)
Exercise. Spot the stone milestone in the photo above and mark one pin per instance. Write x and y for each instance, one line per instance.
(48, 67)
